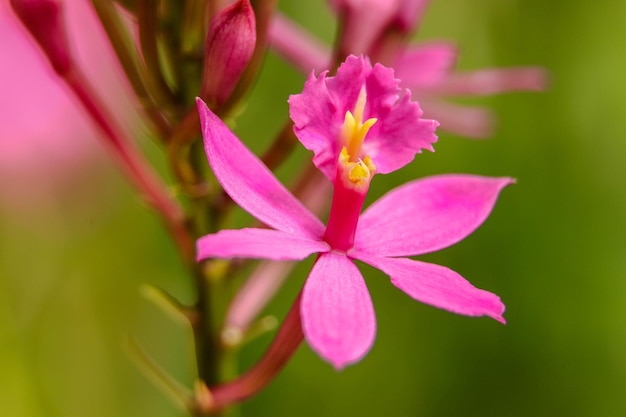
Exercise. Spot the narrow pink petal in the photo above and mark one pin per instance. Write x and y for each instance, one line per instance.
(255, 293)
(297, 45)
(494, 81)
(472, 122)
(257, 243)
(438, 286)
(427, 215)
(410, 13)
(337, 313)
(250, 184)
(426, 65)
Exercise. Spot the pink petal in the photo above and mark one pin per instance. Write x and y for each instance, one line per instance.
(317, 121)
(297, 45)
(250, 184)
(427, 215)
(363, 22)
(438, 286)
(400, 134)
(471, 122)
(494, 81)
(426, 65)
(257, 243)
(410, 13)
(337, 313)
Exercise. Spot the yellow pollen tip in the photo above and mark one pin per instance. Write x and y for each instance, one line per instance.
(357, 173)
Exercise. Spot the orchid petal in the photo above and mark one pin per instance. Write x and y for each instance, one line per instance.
(471, 122)
(393, 143)
(437, 286)
(426, 65)
(427, 215)
(297, 45)
(337, 313)
(317, 119)
(494, 81)
(257, 243)
(410, 13)
(250, 184)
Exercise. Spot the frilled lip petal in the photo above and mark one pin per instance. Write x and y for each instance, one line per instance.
(250, 184)
(257, 243)
(338, 317)
(318, 114)
(427, 215)
(437, 286)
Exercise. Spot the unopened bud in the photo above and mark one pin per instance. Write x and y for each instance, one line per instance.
(44, 21)
(229, 47)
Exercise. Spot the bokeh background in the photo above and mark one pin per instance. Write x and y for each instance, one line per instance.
(72, 260)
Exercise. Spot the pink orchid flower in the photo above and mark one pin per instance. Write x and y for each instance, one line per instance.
(427, 69)
(419, 217)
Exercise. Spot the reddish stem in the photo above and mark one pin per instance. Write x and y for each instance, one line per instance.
(283, 347)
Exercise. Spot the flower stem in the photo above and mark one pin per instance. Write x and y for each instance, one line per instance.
(281, 350)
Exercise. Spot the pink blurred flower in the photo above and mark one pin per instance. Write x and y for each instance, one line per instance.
(51, 146)
(428, 70)
(419, 217)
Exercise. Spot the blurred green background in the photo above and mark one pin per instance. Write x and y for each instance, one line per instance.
(554, 250)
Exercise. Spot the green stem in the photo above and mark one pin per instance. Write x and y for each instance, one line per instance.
(147, 18)
(128, 57)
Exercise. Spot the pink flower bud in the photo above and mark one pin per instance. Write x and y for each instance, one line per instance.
(229, 47)
(44, 21)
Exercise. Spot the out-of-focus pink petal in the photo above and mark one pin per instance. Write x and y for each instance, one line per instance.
(297, 45)
(471, 122)
(250, 184)
(257, 243)
(426, 65)
(427, 215)
(494, 81)
(363, 22)
(337, 313)
(438, 286)
(255, 293)
(409, 14)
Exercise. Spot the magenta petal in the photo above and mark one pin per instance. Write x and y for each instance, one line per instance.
(317, 121)
(426, 65)
(427, 215)
(438, 286)
(250, 184)
(472, 122)
(495, 81)
(257, 243)
(337, 313)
